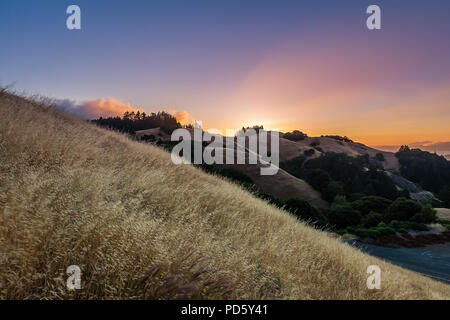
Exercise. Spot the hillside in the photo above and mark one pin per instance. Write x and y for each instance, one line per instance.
(282, 185)
(140, 227)
(155, 132)
(291, 149)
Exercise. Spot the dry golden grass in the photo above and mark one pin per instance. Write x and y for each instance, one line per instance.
(443, 213)
(141, 227)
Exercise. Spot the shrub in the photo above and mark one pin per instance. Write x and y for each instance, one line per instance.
(426, 215)
(403, 194)
(371, 203)
(309, 153)
(235, 175)
(444, 196)
(403, 209)
(332, 190)
(294, 166)
(148, 137)
(318, 179)
(319, 149)
(338, 138)
(355, 196)
(399, 224)
(305, 211)
(379, 156)
(271, 199)
(343, 215)
(406, 225)
(385, 231)
(340, 199)
(372, 219)
(295, 135)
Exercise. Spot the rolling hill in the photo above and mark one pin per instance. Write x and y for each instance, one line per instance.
(139, 226)
(290, 149)
(284, 185)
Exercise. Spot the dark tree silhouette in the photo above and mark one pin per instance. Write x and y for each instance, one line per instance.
(132, 122)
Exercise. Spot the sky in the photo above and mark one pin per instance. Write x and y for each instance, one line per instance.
(307, 65)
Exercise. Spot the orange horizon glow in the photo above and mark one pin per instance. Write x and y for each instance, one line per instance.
(361, 97)
(371, 140)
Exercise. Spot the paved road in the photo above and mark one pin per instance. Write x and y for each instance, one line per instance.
(432, 261)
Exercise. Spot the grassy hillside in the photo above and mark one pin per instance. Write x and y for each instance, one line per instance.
(443, 213)
(282, 185)
(141, 227)
(291, 149)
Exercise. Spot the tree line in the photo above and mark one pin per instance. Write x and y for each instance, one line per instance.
(131, 122)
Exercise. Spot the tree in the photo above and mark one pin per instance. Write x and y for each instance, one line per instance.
(309, 152)
(444, 196)
(429, 170)
(131, 122)
(294, 166)
(255, 127)
(295, 135)
(403, 209)
(343, 215)
(426, 215)
(355, 174)
(371, 203)
(372, 219)
(332, 190)
(318, 179)
(338, 138)
(379, 156)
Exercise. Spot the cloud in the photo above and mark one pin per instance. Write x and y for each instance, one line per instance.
(420, 144)
(93, 109)
(182, 116)
(109, 107)
(441, 148)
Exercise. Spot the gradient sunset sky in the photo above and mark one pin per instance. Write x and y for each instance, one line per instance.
(308, 65)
